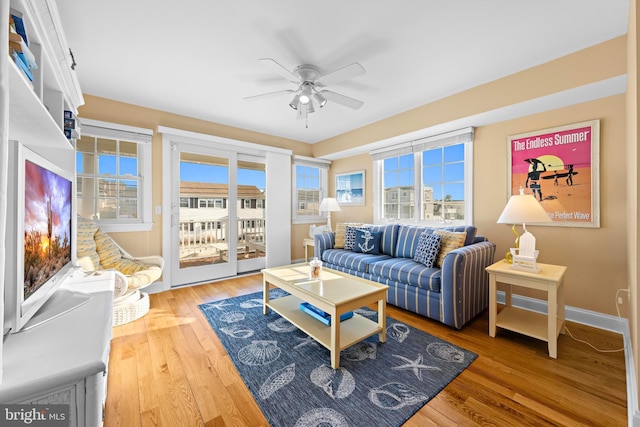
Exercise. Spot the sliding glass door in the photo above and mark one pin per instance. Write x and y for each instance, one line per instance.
(251, 219)
(218, 224)
(203, 216)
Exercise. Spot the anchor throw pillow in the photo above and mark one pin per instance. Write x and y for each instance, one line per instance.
(367, 242)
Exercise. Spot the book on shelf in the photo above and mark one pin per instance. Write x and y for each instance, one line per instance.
(69, 123)
(320, 315)
(21, 62)
(18, 25)
(14, 37)
(15, 46)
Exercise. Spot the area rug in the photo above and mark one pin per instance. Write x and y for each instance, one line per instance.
(291, 378)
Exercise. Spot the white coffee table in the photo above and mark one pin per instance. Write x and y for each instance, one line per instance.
(336, 293)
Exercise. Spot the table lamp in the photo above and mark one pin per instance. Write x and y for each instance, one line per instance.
(328, 205)
(523, 208)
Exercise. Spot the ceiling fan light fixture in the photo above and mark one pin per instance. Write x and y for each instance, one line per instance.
(305, 96)
(294, 102)
(320, 100)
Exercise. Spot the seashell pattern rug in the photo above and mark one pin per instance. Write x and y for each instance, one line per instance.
(291, 378)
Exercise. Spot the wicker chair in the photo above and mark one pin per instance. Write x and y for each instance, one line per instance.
(96, 250)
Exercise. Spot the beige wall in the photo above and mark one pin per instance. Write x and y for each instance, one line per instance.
(595, 257)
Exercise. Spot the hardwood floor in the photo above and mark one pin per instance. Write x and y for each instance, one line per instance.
(169, 369)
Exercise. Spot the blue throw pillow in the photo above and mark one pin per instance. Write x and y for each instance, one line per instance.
(428, 248)
(350, 237)
(367, 242)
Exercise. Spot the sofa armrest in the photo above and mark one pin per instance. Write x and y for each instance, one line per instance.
(322, 242)
(465, 282)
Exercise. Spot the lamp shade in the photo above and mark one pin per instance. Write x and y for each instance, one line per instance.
(329, 204)
(523, 208)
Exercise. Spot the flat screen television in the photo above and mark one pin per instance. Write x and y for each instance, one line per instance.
(42, 216)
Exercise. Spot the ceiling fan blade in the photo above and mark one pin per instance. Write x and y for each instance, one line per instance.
(345, 73)
(342, 99)
(269, 95)
(281, 70)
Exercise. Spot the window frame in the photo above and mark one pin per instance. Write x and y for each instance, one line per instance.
(323, 169)
(417, 147)
(142, 137)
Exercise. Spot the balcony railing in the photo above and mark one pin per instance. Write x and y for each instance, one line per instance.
(207, 239)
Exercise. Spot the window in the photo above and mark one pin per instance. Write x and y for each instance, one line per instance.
(427, 181)
(310, 186)
(113, 168)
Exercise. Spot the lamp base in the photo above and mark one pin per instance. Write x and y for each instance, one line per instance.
(524, 263)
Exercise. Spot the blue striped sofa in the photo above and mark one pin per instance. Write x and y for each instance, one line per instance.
(453, 294)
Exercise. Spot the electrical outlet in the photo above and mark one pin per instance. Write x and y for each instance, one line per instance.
(619, 300)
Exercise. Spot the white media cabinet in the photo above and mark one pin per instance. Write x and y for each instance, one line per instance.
(65, 359)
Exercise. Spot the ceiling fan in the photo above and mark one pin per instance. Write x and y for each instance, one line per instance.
(310, 92)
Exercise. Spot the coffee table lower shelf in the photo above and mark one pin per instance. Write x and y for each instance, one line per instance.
(352, 330)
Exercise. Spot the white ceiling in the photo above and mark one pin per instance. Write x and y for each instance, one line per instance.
(198, 58)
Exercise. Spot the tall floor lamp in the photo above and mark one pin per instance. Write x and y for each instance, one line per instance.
(328, 205)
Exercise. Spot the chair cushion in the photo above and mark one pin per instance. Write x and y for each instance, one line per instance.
(108, 251)
(428, 248)
(141, 278)
(85, 243)
(450, 240)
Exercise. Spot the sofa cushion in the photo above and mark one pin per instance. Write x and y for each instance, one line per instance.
(407, 271)
(408, 236)
(351, 260)
(341, 229)
(367, 242)
(450, 240)
(428, 248)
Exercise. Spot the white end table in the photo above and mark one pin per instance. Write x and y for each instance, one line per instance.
(307, 242)
(544, 327)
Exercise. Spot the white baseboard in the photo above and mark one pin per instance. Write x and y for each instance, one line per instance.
(600, 321)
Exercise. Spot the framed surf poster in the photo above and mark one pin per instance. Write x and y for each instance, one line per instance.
(560, 167)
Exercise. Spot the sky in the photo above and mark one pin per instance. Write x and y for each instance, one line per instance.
(191, 172)
(43, 186)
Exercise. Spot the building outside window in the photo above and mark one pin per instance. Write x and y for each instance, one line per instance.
(113, 167)
(310, 186)
(426, 181)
